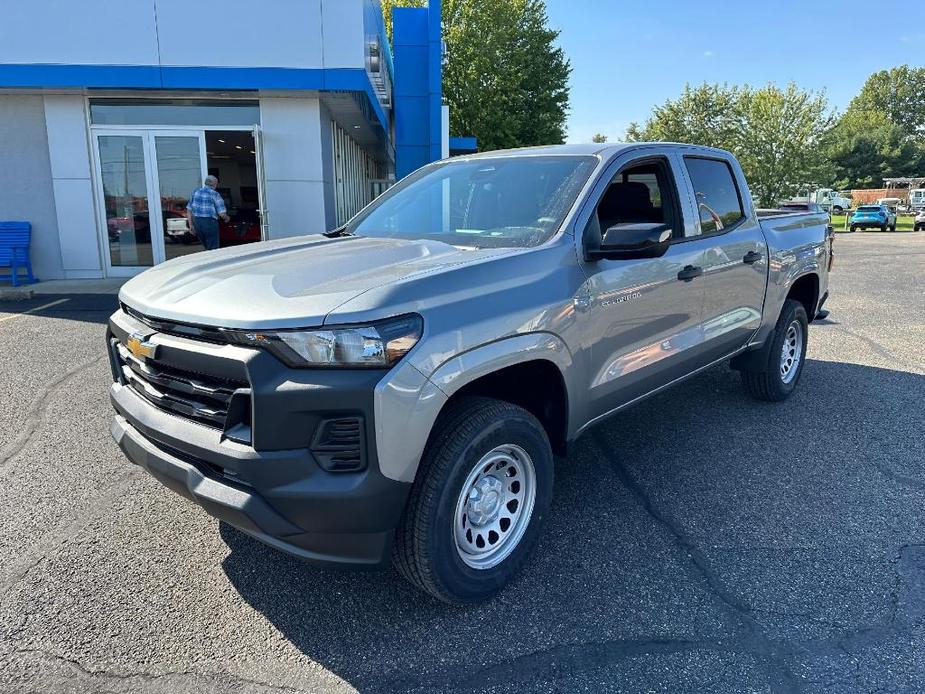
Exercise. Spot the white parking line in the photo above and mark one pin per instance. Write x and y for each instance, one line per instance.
(33, 310)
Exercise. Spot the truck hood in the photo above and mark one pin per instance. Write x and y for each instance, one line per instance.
(284, 284)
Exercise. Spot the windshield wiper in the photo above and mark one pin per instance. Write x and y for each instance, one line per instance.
(336, 233)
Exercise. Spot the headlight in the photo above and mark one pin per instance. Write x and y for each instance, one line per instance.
(376, 345)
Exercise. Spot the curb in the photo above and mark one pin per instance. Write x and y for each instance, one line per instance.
(16, 293)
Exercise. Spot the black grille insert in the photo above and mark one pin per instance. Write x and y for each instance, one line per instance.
(204, 399)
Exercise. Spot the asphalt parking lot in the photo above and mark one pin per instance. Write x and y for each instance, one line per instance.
(699, 542)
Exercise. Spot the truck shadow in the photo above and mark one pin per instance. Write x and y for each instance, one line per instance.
(806, 491)
(86, 308)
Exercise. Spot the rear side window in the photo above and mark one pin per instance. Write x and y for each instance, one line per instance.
(718, 200)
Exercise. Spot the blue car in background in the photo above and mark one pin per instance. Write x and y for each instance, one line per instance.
(873, 216)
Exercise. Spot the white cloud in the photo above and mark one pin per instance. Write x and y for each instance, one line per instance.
(708, 54)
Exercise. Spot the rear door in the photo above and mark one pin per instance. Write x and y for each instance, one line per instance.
(644, 317)
(735, 261)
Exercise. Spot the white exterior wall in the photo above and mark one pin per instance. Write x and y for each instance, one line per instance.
(233, 33)
(69, 153)
(26, 189)
(293, 166)
(88, 32)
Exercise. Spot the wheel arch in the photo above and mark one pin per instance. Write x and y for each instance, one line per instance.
(525, 370)
(805, 289)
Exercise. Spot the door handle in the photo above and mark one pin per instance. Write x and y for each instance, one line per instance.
(751, 257)
(690, 272)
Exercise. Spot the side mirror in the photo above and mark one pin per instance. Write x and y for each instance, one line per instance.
(630, 240)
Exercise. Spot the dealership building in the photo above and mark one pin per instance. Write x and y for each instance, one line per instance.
(112, 112)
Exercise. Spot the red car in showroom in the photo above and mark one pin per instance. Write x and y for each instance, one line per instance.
(244, 227)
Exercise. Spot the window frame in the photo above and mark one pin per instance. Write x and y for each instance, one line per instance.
(662, 159)
(696, 206)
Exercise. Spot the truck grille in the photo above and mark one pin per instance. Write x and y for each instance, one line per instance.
(202, 398)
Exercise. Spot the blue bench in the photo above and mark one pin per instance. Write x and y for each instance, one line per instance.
(14, 251)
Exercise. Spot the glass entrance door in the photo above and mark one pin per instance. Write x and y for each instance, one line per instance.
(181, 169)
(124, 186)
(145, 178)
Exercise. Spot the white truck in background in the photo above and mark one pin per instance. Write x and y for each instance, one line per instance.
(917, 199)
(828, 199)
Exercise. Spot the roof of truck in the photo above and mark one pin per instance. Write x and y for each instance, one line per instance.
(604, 149)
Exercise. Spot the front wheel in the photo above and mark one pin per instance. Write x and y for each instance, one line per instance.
(779, 376)
(837, 210)
(893, 226)
(854, 228)
(884, 227)
(479, 500)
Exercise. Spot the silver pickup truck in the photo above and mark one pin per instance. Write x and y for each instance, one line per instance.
(398, 389)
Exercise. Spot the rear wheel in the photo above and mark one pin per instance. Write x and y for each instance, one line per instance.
(893, 226)
(854, 227)
(837, 210)
(781, 372)
(883, 227)
(478, 502)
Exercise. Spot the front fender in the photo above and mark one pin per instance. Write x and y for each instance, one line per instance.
(494, 356)
(407, 403)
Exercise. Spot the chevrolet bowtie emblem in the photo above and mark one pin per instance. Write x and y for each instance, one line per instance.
(141, 348)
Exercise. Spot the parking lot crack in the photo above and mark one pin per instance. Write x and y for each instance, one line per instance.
(188, 678)
(752, 637)
(557, 663)
(38, 410)
(897, 477)
(14, 571)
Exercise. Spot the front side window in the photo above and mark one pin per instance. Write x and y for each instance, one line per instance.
(502, 202)
(718, 201)
(641, 193)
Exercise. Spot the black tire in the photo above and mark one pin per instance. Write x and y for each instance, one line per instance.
(883, 227)
(769, 383)
(892, 227)
(426, 551)
(837, 210)
(853, 228)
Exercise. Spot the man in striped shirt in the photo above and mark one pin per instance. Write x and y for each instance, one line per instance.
(203, 211)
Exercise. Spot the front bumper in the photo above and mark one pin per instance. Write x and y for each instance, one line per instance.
(275, 491)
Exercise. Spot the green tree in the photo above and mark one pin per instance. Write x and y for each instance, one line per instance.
(898, 93)
(865, 147)
(703, 115)
(775, 133)
(598, 138)
(505, 80)
(780, 143)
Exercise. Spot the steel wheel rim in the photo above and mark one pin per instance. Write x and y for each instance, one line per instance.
(791, 351)
(494, 506)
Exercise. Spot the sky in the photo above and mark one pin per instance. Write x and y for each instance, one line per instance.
(628, 56)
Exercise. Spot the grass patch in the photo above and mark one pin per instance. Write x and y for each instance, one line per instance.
(903, 222)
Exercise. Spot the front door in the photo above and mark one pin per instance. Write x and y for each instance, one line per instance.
(144, 178)
(645, 313)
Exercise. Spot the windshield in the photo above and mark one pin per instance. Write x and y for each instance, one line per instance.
(502, 202)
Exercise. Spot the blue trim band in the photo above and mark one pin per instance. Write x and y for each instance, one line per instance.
(166, 77)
